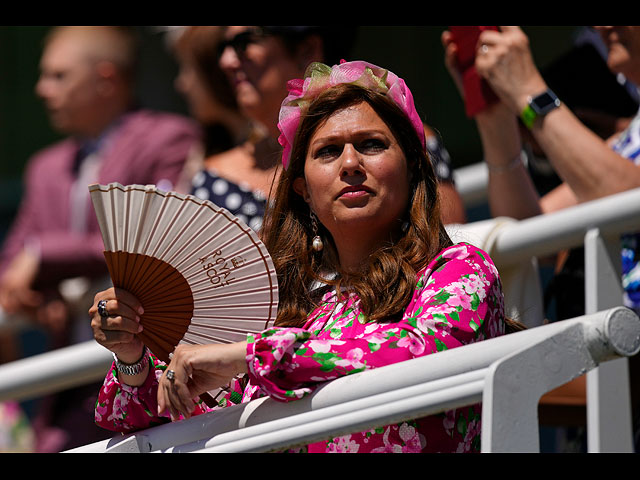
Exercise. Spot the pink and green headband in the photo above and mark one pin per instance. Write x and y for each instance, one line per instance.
(320, 77)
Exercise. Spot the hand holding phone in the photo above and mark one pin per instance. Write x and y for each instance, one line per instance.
(478, 95)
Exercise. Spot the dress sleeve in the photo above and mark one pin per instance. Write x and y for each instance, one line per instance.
(123, 408)
(458, 300)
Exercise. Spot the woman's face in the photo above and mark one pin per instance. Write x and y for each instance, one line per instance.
(258, 67)
(623, 44)
(355, 175)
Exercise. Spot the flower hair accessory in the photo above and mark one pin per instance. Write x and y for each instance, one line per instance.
(320, 77)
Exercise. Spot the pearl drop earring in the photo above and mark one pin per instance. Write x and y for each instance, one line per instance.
(316, 243)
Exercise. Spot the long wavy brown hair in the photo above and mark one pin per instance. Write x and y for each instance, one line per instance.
(386, 283)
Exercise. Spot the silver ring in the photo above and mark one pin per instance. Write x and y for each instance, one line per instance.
(170, 375)
(102, 308)
(484, 48)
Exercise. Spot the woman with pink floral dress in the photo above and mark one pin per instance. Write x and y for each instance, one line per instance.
(367, 275)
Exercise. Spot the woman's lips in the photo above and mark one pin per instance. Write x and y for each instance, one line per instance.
(355, 191)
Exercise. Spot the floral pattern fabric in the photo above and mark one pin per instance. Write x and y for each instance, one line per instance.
(458, 300)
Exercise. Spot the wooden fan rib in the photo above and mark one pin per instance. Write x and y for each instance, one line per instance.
(177, 321)
(155, 274)
(160, 347)
(171, 286)
(167, 330)
(169, 312)
(123, 273)
(175, 296)
(182, 299)
(157, 280)
(143, 267)
(165, 338)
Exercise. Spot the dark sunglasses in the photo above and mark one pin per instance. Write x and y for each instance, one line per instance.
(242, 40)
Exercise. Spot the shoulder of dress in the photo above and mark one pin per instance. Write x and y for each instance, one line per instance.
(457, 252)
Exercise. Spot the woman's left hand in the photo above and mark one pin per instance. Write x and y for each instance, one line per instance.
(196, 370)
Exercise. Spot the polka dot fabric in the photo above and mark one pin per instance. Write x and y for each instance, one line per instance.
(246, 204)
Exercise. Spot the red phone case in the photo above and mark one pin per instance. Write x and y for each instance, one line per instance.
(477, 92)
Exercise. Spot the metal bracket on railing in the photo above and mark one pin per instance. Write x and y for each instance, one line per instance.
(514, 384)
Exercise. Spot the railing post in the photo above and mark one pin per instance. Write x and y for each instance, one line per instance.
(514, 385)
(609, 423)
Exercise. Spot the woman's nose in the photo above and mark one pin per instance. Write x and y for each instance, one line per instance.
(228, 58)
(350, 161)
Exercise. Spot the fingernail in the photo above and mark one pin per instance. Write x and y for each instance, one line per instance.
(140, 310)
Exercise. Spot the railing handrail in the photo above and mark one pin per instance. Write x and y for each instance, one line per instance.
(471, 183)
(54, 371)
(549, 233)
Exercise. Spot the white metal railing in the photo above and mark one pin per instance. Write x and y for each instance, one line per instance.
(597, 225)
(471, 183)
(493, 372)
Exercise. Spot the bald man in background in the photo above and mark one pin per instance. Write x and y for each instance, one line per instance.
(87, 86)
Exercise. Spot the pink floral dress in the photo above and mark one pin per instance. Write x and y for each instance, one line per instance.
(458, 300)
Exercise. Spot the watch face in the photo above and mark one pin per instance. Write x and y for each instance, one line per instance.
(545, 102)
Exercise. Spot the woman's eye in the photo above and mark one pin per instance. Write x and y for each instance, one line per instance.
(372, 145)
(328, 151)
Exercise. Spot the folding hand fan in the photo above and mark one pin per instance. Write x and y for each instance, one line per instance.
(201, 274)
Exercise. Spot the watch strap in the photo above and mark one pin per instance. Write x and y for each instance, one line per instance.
(132, 369)
(528, 116)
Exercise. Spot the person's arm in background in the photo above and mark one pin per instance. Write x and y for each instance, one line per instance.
(581, 158)
(589, 168)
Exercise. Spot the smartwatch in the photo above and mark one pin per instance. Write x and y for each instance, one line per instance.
(539, 106)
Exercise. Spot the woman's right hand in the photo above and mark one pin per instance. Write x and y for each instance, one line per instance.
(117, 332)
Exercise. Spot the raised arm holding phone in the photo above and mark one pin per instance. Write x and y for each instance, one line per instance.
(589, 166)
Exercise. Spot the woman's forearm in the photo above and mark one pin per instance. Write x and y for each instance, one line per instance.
(511, 190)
(582, 159)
